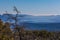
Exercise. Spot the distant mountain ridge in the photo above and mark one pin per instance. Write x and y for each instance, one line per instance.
(35, 19)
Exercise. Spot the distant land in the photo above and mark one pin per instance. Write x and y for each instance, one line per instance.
(50, 23)
(35, 19)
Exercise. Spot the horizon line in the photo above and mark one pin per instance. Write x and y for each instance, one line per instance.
(36, 14)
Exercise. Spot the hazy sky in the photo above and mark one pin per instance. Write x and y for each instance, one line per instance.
(33, 7)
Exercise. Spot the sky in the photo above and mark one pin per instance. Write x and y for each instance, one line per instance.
(31, 7)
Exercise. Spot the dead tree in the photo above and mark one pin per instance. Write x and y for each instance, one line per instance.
(17, 28)
(15, 18)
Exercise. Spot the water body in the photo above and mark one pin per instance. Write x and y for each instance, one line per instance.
(52, 23)
(43, 26)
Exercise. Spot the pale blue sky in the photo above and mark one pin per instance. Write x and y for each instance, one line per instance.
(33, 7)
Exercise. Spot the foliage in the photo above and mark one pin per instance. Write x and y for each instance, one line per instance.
(5, 31)
(19, 33)
(7, 34)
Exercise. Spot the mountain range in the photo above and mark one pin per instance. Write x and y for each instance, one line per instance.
(50, 23)
(34, 19)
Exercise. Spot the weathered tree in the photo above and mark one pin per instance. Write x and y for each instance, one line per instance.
(17, 28)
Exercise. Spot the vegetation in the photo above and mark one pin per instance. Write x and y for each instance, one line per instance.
(19, 33)
(7, 34)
